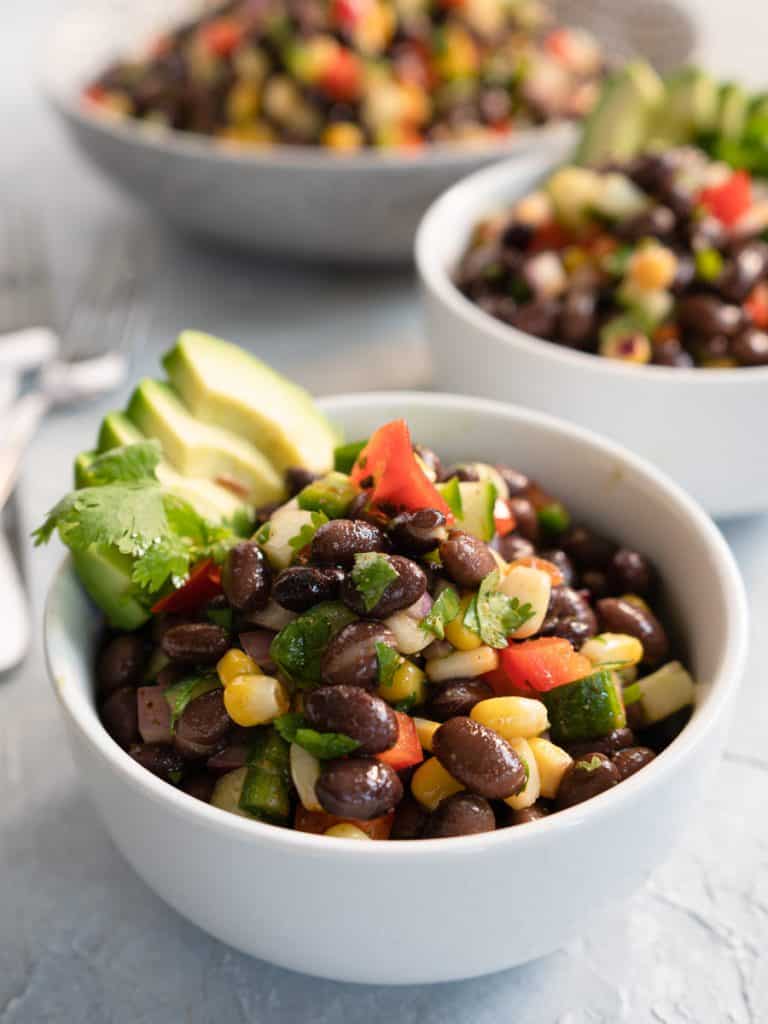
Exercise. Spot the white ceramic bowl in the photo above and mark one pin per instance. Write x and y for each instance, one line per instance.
(703, 427)
(291, 201)
(435, 910)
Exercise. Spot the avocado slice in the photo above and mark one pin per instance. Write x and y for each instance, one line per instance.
(81, 467)
(209, 499)
(106, 575)
(618, 126)
(690, 108)
(732, 112)
(222, 384)
(197, 449)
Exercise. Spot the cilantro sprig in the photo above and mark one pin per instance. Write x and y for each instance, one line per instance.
(444, 610)
(308, 531)
(493, 615)
(371, 575)
(389, 662)
(322, 745)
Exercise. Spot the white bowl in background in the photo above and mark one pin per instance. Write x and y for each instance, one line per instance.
(288, 200)
(443, 909)
(705, 428)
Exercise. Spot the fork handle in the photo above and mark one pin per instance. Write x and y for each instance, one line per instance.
(23, 419)
(21, 351)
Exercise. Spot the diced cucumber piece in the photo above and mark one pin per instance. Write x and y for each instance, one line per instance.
(266, 791)
(82, 465)
(485, 471)
(574, 192)
(477, 499)
(452, 494)
(289, 530)
(585, 709)
(661, 694)
(333, 495)
(226, 792)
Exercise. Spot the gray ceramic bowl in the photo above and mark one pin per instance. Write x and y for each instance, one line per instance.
(291, 201)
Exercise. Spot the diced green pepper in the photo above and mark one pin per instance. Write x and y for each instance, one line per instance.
(585, 709)
(333, 495)
(266, 790)
(345, 456)
(298, 647)
(554, 517)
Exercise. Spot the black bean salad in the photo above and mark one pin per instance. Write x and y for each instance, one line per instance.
(348, 74)
(659, 260)
(399, 650)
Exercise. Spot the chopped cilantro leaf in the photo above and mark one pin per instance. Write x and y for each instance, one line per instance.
(371, 575)
(322, 745)
(444, 610)
(182, 693)
(131, 462)
(493, 615)
(389, 662)
(299, 647)
(308, 531)
(263, 533)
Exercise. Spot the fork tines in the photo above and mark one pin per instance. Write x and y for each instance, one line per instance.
(25, 283)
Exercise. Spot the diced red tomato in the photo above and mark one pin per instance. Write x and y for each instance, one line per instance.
(549, 236)
(501, 686)
(503, 519)
(558, 43)
(542, 664)
(342, 79)
(318, 822)
(729, 200)
(756, 304)
(204, 583)
(221, 36)
(347, 14)
(407, 750)
(541, 563)
(388, 469)
(94, 93)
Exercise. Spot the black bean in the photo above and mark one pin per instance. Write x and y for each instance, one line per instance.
(503, 307)
(402, 592)
(121, 663)
(355, 713)
(609, 745)
(569, 616)
(462, 814)
(706, 349)
(525, 517)
(537, 317)
(659, 735)
(678, 198)
(464, 472)
(533, 813)
(160, 759)
(513, 546)
(202, 726)
(170, 674)
(299, 587)
(198, 784)
(750, 347)
(360, 509)
(337, 542)
(559, 558)
(358, 787)
(620, 616)
(456, 697)
(120, 715)
(632, 573)
(652, 171)
(246, 577)
(430, 459)
(684, 274)
(669, 352)
(596, 582)
(351, 658)
(592, 774)
(587, 549)
(705, 233)
(656, 222)
(516, 235)
(410, 819)
(416, 533)
(706, 316)
(479, 758)
(516, 481)
(195, 643)
(577, 323)
(747, 266)
(631, 760)
(297, 478)
(466, 559)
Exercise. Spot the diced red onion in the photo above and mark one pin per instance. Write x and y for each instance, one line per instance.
(421, 607)
(154, 715)
(438, 649)
(256, 645)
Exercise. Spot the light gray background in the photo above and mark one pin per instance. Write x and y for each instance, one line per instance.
(82, 940)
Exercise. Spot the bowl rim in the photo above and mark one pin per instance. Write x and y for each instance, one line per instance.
(435, 276)
(79, 707)
(283, 157)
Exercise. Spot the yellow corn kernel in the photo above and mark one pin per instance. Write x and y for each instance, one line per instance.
(243, 102)
(552, 762)
(652, 267)
(530, 586)
(343, 136)
(257, 133)
(637, 601)
(425, 730)
(723, 363)
(236, 663)
(613, 647)
(532, 791)
(574, 256)
(346, 830)
(305, 771)
(408, 683)
(431, 783)
(512, 717)
(255, 700)
(463, 665)
(634, 347)
(457, 634)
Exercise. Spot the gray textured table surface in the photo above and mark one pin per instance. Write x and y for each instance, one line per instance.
(81, 938)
